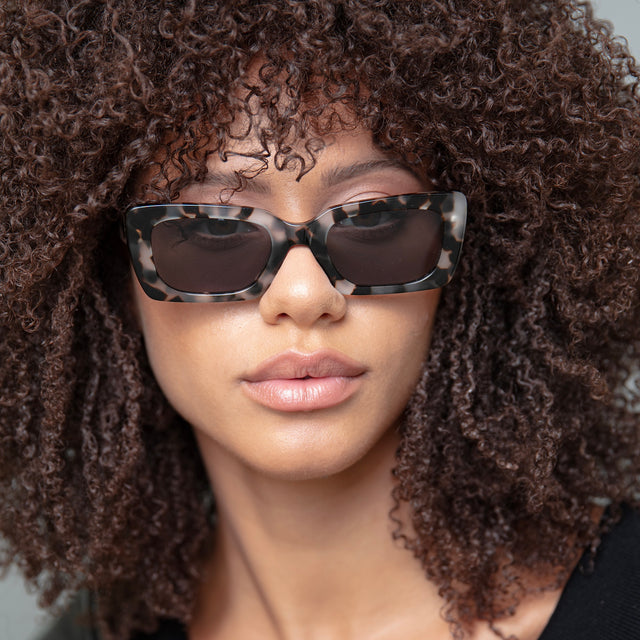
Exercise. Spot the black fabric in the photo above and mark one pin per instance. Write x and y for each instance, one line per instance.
(168, 630)
(603, 604)
(75, 624)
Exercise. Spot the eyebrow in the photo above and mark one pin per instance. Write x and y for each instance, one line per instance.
(229, 180)
(342, 174)
(330, 177)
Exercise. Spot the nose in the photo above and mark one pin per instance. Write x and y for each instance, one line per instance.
(301, 292)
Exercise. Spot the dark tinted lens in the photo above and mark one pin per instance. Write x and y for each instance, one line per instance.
(203, 255)
(386, 247)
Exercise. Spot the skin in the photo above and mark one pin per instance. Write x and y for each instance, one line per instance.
(304, 547)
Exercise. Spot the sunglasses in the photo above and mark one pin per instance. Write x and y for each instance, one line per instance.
(219, 253)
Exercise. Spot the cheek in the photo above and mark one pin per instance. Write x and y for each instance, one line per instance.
(169, 347)
(190, 347)
(400, 335)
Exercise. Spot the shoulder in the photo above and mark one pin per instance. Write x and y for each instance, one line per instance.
(601, 600)
(76, 623)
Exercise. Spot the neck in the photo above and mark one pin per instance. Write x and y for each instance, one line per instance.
(310, 558)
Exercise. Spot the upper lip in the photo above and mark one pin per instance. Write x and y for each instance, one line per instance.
(292, 364)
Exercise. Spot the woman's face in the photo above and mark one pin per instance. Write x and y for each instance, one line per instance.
(303, 382)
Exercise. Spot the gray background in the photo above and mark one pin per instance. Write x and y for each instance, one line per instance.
(20, 618)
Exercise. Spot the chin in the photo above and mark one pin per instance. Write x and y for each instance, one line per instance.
(308, 452)
(301, 468)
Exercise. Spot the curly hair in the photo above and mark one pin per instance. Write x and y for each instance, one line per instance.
(527, 412)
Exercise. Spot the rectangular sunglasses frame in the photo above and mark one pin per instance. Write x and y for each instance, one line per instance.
(140, 220)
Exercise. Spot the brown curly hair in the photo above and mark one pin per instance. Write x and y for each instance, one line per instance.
(527, 414)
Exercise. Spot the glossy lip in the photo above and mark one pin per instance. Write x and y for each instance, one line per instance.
(293, 381)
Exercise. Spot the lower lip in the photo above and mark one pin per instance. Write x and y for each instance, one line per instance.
(309, 394)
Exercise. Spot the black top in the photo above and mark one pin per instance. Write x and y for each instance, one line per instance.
(600, 605)
(604, 604)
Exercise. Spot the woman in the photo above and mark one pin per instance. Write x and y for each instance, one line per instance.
(212, 435)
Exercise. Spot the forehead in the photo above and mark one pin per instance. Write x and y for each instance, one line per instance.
(251, 161)
(267, 116)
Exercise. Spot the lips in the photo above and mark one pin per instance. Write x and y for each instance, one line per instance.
(292, 381)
